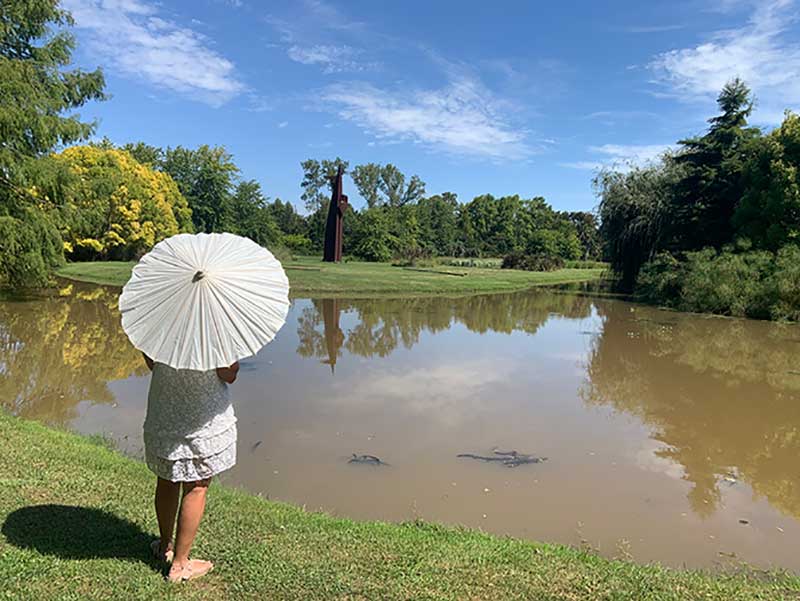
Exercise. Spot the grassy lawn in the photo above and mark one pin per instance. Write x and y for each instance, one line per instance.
(312, 276)
(76, 519)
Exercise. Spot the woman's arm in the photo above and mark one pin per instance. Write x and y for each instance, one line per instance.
(228, 374)
(149, 361)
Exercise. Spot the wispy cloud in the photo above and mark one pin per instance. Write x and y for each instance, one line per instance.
(653, 28)
(283, 124)
(620, 156)
(461, 118)
(331, 58)
(761, 53)
(306, 38)
(132, 37)
(330, 16)
(625, 115)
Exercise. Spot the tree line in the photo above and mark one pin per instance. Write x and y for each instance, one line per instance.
(61, 201)
(713, 226)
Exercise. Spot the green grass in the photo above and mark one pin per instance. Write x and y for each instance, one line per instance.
(353, 278)
(76, 519)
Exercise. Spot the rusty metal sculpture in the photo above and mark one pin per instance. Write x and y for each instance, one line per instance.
(334, 337)
(333, 227)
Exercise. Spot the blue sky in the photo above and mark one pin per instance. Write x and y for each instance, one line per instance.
(509, 97)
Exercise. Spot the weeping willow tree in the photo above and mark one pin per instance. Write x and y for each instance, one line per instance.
(637, 214)
(37, 96)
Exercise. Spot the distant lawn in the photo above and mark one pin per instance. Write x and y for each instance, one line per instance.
(76, 520)
(354, 278)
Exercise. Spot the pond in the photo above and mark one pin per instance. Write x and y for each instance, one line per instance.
(669, 437)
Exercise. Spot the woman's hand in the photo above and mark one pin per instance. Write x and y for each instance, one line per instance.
(228, 374)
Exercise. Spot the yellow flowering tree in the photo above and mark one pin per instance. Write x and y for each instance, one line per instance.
(113, 207)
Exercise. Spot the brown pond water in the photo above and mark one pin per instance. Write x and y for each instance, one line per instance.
(663, 430)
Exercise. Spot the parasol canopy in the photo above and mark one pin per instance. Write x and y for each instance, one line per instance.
(202, 301)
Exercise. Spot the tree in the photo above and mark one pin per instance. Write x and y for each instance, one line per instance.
(386, 185)
(288, 220)
(374, 241)
(206, 177)
(713, 164)
(145, 153)
(114, 207)
(367, 179)
(769, 212)
(636, 213)
(251, 216)
(317, 181)
(437, 216)
(37, 93)
(588, 232)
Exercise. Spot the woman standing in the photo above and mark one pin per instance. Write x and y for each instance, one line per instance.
(189, 437)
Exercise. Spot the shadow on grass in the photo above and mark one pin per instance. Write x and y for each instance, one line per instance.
(72, 532)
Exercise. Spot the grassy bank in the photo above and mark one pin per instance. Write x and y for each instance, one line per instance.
(352, 279)
(76, 519)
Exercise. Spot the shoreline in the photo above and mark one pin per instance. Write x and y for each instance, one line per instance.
(75, 516)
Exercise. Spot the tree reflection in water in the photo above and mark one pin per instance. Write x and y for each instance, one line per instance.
(61, 349)
(722, 395)
(385, 324)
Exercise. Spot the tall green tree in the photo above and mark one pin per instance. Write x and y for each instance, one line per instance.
(713, 165)
(145, 153)
(588, 231)
(368, 181)
(438, 223)
(317, 181)
(251, 216)
(288, 219)
(386, 185)
(769, 212)
(206, 176)
(37, 94)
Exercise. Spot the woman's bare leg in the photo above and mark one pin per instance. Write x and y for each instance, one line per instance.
(193, 505)
(167, 495)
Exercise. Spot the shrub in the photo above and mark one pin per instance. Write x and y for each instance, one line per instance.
(727, 283)
(411, 255)
(784, 284)
(660, 281)
(757, 284)
(297, 243)
(532, 262)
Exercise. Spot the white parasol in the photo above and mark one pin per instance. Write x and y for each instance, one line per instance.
(202, 301)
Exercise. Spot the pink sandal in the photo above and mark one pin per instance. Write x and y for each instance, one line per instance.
(166, 557)
(195, 568)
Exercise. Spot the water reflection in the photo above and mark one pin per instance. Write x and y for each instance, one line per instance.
(383, 325)
(61, 349)
(721, 395)
(662, 428)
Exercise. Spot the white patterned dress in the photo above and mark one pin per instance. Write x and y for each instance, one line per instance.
(190, 428)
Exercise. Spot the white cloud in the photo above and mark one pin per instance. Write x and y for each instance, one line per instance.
(584, 165)
(283, 124)
(131, 36)
(627, 115)
(462, 118)
(620, 156)
(653, 28)
(330, 16)
(762, 53)
(332, 58)
(447, 393)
